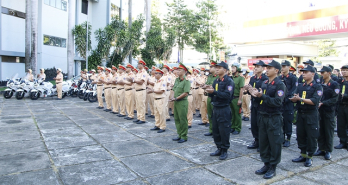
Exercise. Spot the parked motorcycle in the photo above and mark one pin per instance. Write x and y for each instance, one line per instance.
(92, 95)
(25, 87)
(83, 87)
(12, 86)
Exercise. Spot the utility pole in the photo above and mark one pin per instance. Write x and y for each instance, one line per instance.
(87, 43)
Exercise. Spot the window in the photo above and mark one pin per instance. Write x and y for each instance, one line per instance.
(12, 12)
(115, 11)
(54, 41)
(84, 8)
(60, 4)
(13, 59)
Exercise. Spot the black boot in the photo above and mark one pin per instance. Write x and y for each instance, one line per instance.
(224, 154)
(263, 170)
(286, 143)
(216, 153)
(299, 159)
(308, 162)
(271, 172)
(254, 145)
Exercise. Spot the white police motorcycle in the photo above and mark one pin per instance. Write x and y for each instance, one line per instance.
(12, 86)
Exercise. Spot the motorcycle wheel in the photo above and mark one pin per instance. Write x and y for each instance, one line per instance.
(73, 93)
(34, 95)
(8, 94)
(20, 95)
(85, 97)
(81, 94)
(64, 95)
(92, 98)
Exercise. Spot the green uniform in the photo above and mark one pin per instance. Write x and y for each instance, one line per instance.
(236, 122)
(181, 107)
(210, 80)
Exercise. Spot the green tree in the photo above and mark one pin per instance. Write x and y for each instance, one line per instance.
(80, 34)
(206, 35)
(183, 20)
(326, 48)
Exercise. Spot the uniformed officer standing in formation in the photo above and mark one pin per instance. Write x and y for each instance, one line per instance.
(208, 84)
(159, 97)
(307, 97)
(121, 79)
(190, 99)
(129, 93)
(59, 81)
(316, 76)
(342, 117)
(271, 94)
(99, 83)
(221, 93)
(114, 90)
(140, 82)
(290, 81)
(181, 89)
(236, 103)
(255, 82)
(168, 79)
(246, 98)
(202, 99)
(107, 89)
(151, 82)
(327, 107)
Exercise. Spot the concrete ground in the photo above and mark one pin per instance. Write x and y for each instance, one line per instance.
(71, 142)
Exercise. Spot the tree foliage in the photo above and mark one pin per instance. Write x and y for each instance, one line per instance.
(326, 49)
(80, 34)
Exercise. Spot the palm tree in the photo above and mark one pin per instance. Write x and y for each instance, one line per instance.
(27, 34)
(71, 25)
(34, 13)
(147, 11)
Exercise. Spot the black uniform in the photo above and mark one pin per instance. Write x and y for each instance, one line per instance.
(271, 121)
(307, 118)
(327, 115)
(342, 117)
(222, 115)
(255, 82)
(290, 82)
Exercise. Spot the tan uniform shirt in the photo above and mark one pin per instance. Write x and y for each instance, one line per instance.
(152, 80)
(120, 77)
(108, 78)
(93, 77)
(168, 79)
(201, 80)
(191, 80)
(101, 76)
(128, 85)
(84, 77)
(160, 85)
(30, 77)
(141, 75)
(42, 76)
(60, 75)
(114, 77)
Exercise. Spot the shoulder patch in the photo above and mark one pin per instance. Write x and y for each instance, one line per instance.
(143, 76)
(296, 84)
(164, 85)
(318, 80)
(320, 93)
(337, 91)
(230, 88)
(280, 93)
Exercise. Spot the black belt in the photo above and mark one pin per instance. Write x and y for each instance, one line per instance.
(107, 87)
(113, 88)
(120, 89)
(128, 89)
(58, 82)
(196, 88)
(190, 94)
(99, 85)
(306, 111)
(168, 90)
(158, 98)
(140, 90)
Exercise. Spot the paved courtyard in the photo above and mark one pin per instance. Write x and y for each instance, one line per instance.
(71, 142)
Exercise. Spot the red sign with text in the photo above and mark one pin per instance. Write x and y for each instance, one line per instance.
(326, 25)
(251, 62)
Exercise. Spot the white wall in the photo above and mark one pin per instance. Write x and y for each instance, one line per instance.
(54, 23)
(12, 33)
(12, 69)
(18, 5)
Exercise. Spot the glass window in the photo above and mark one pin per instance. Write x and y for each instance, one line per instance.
(53, 3)
(84, 8)
(63, 43)
(52, 41)
(58, 42)
(59, 4)
(46, 40)
(64, 5)
(47, 2)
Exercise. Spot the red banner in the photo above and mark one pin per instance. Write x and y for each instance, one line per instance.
(251, 62)
(326, 25)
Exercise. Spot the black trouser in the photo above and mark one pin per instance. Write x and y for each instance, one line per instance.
(342, 123)
(253, 123)
(288, 117)
(222, 117)
(270, 137)
(326, 130)
(307, 131)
